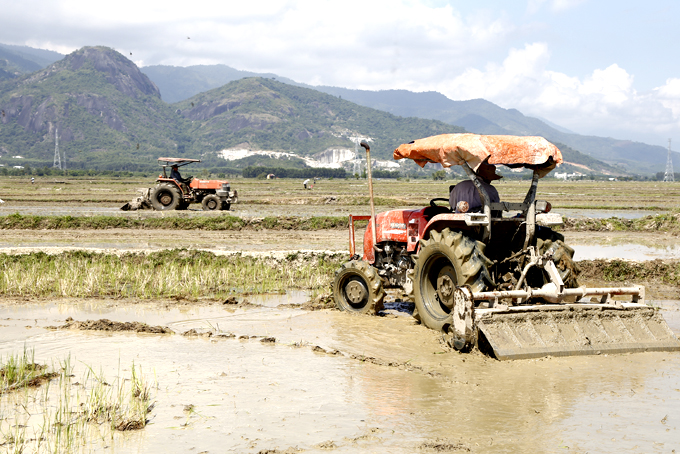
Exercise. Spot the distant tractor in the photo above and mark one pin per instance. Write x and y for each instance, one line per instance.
(170, 194)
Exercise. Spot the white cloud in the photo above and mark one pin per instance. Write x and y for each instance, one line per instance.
(562, 5)
(533, 6)
(419, 45)
(603, 103)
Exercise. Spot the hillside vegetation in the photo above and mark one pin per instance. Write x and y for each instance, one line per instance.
(110, 116)
(265, 114)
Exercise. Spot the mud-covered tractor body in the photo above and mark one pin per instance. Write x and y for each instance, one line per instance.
(500, 279)
(169, 194)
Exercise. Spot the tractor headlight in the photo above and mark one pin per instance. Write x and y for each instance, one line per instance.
(543, 206)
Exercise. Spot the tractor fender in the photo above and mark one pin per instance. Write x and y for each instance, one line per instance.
(454, 221)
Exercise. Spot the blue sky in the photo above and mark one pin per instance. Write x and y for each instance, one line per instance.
(599, 67)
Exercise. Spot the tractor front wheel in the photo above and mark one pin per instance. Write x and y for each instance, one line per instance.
(211, 203)
(446, 260)
(358, 288)
(165, 197)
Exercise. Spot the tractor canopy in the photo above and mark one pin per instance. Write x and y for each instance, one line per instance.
(532, 152)
(179, 162)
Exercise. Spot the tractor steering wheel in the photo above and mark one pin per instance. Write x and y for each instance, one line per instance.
(438, 199)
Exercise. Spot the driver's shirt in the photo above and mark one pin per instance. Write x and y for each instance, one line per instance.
(466, 190)
(174, 174)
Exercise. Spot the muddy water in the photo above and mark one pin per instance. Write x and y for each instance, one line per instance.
(377, 384)
(623, 245)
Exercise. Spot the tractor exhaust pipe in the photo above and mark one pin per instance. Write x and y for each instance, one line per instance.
(370, 188)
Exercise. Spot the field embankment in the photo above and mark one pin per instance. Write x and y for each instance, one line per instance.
(668, 222)
(225, 222)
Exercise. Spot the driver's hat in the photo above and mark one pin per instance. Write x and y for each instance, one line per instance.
(488, 171)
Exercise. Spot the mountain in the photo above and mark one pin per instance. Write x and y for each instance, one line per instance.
(265, 114)
(484, 117)
(181, 83)
(110, 115)
(107, 112)
(18, 60)
(476, 115)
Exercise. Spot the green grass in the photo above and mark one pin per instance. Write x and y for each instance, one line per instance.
(163, 274)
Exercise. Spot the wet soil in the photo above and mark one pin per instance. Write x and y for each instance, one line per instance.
(274, 378)
(126, 239)
(288, 373)
(588, 245)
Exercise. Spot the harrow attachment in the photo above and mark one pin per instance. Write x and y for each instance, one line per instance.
(559, 329)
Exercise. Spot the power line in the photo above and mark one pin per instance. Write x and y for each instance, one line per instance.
(57, 156)
(669, 175)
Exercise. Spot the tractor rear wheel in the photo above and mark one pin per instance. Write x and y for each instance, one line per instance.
(165, 197)
(358, 288)
(446, 260)
(211, 203)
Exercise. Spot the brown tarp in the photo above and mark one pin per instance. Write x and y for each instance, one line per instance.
(454, 149)
(178, 160)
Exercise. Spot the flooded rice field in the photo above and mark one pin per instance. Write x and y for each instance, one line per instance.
(267, 377)
(259, 374)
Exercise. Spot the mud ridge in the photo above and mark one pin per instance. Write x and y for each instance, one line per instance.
(108, 325)
(666, 271)
(668, 222)
(444, 446)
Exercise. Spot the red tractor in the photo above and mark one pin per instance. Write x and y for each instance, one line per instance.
(495, 279)
(171, 194)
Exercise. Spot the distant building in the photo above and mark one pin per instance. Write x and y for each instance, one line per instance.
(568, 176)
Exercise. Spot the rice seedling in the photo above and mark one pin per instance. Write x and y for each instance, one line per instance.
(71, 415)
(20, 371)
(164, 274)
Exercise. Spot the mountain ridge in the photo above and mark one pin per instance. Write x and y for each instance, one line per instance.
(477, 115)
(111, 115)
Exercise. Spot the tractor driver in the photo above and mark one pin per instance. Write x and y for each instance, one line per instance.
(467, 192)
(174, 174)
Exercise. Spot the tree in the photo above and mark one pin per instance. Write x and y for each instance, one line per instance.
(439, 175)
